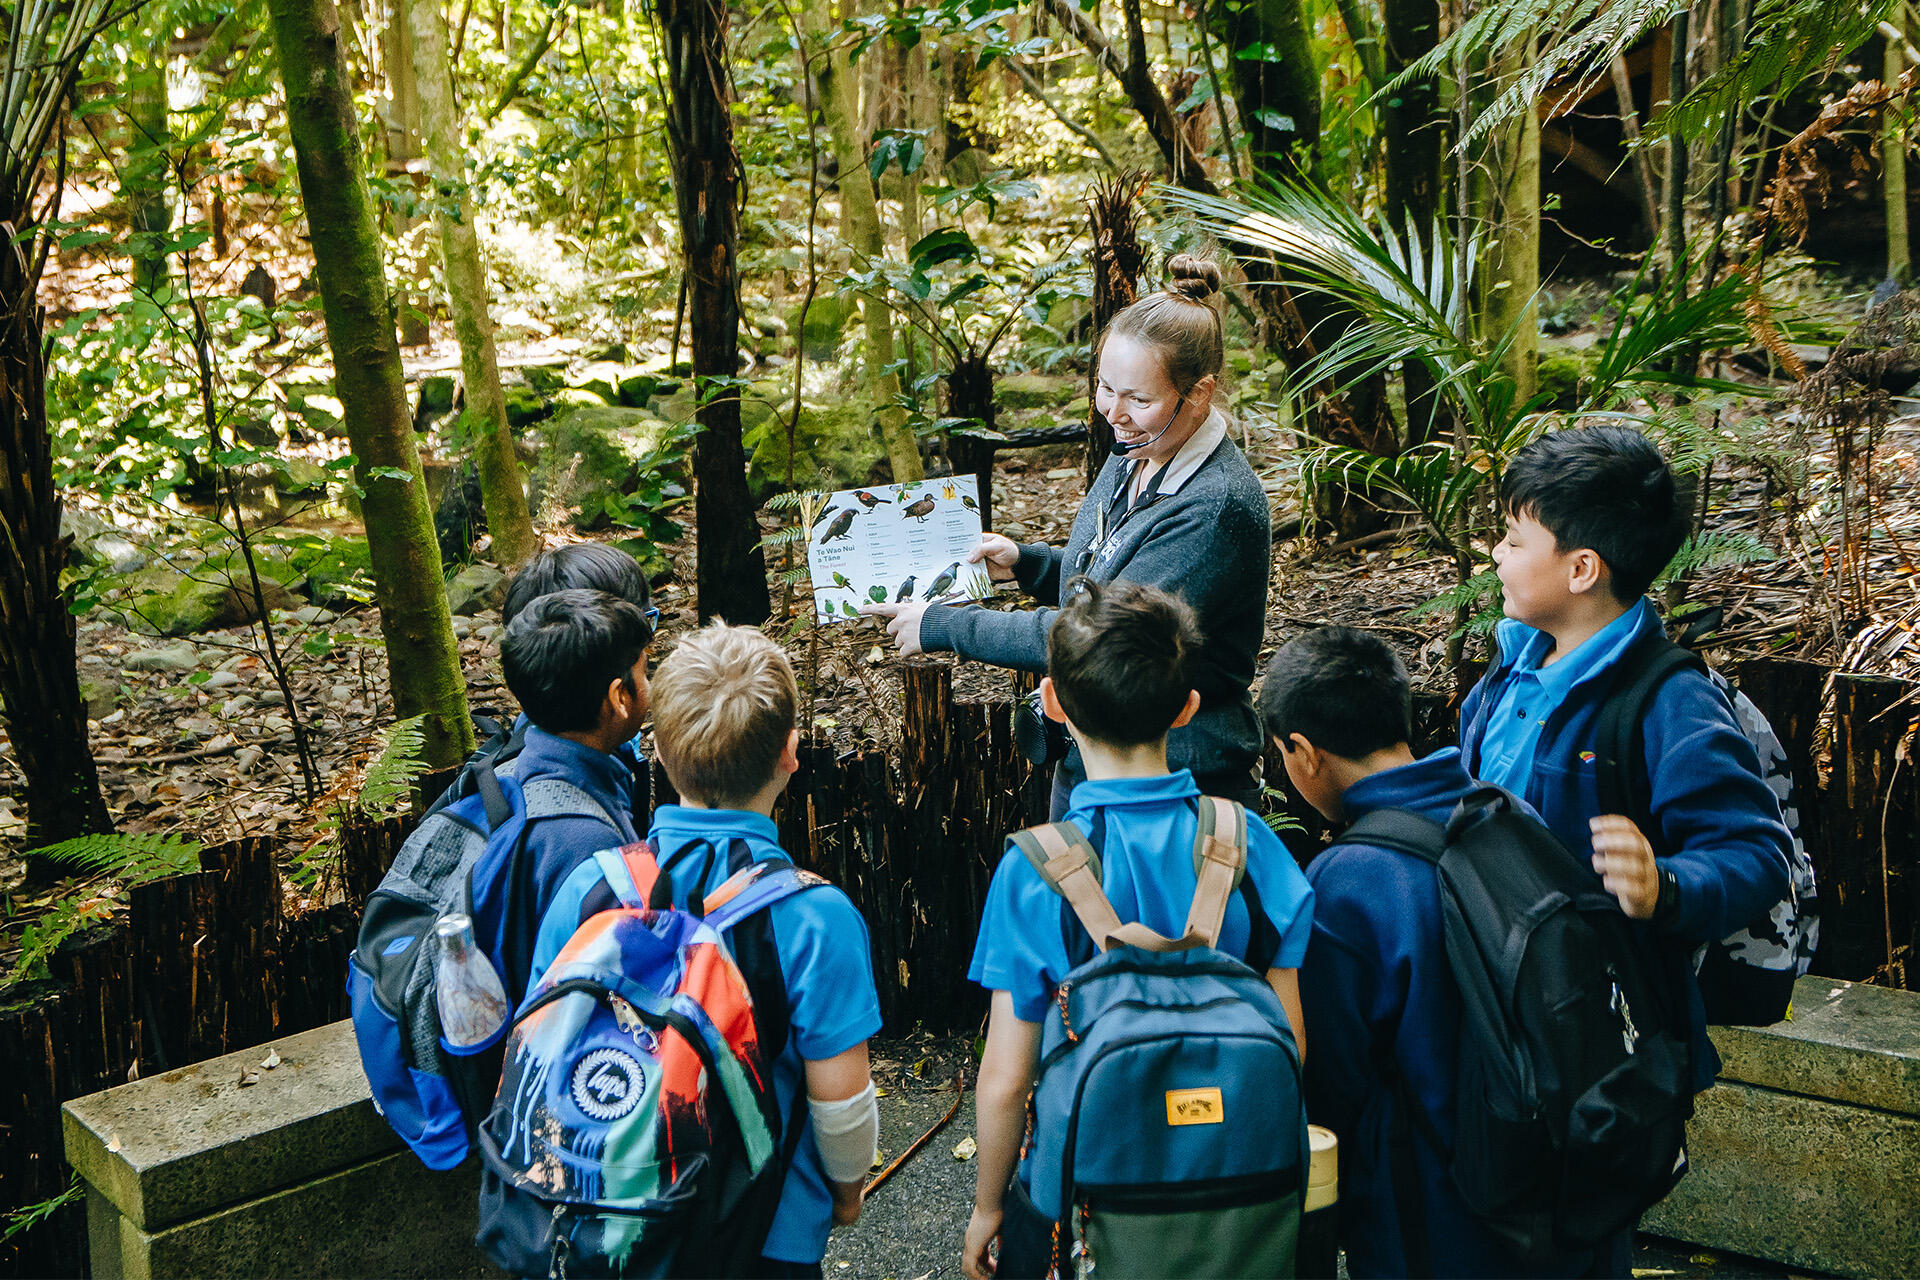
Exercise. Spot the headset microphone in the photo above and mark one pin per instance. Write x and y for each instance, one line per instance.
(1122, 449)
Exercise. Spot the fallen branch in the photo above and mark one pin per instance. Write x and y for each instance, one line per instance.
(171, 757)
(959, 1092)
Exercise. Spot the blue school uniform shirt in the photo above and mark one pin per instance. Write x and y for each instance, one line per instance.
(1376, 988)
(1716, 824)
(1533, 692)
(639, 784)
(1146, 857)
(825, 959)
(508, 914)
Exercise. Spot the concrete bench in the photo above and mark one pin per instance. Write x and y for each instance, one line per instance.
(191, 1173)
(1807, 1150)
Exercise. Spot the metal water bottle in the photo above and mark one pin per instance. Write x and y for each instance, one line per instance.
(1319, 1250)
(471, 999)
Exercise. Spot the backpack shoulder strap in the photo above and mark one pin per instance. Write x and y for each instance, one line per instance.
(487, 786)
(755, 889)
(1069, 866)
(630, 871)
(1219, 864)
(557, 798)
(1618, 732)
(1400, 831)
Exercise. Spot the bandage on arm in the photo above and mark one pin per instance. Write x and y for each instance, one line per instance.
(847, 1133)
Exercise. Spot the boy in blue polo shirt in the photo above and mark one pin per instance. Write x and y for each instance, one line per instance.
(1117, 659)
(723, 725)
(1593, 515)
(1376, 985)
(577, 661)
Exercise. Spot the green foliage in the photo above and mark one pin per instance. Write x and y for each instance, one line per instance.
(1713, 549)
(132, 858)
(27, 1217)
(388, 782)
(657, 488)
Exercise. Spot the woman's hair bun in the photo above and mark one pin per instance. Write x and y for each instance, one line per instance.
(1192, 277)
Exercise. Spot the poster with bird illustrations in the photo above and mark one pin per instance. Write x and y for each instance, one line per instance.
(894, 543)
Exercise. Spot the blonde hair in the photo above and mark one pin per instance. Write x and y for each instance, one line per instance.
(723, 707)
(1180, 323)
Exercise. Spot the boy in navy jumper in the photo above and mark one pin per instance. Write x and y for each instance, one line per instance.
(723, 723)
(1117, 658)
(577, 661)
(1593, 515)
(1375, 985)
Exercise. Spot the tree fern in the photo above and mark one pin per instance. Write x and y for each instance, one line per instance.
(1715, 549)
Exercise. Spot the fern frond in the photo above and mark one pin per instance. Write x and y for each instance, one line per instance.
(1787, 41)
(1479, 597)
(391, 774)
(1715, 549)
(133, 857)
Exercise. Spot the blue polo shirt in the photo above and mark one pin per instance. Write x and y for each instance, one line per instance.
(1146, 857)
(825, 959)
(1535, 692)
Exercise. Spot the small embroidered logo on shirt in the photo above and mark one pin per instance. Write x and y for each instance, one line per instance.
(1586, 757)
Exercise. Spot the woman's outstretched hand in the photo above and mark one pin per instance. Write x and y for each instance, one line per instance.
(903, 622)
(1000, 552)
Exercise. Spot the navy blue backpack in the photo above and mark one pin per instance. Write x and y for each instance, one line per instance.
(1167, 1135)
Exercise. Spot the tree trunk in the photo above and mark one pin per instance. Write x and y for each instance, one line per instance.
(1893, 158)
(1509, 296)
(731, 572)
(39, 684)
(403, 149)
(423, 659)
(860, 224)
(143, 183)
(1116, 258)
(1278, 91)
(501, 489)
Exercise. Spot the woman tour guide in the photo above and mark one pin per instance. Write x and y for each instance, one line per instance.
(1177, 506)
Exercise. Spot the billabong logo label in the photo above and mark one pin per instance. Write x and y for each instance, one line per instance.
(607, 1084)
(1194, 1106)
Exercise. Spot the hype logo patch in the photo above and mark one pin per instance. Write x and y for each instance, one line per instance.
(607, 1084)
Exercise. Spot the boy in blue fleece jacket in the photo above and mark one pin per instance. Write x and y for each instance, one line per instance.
(1592, 516)
(577, 661)
(723, 723)
(1375, 985)
(1118, 659)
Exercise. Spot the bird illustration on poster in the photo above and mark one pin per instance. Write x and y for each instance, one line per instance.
(905, 542)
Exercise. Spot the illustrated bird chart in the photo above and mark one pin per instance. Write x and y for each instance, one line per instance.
(895, 543)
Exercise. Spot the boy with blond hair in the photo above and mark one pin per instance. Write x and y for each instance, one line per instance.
(723, 708)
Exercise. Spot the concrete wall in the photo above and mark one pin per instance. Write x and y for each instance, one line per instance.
(1807, 1150)
(228, 1168)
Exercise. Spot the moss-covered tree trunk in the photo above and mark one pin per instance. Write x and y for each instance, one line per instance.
(1893, 154)
(143, 182)
(1509, 200)
(865, 234)
(731, 569)
(423, 659)
(502, 491)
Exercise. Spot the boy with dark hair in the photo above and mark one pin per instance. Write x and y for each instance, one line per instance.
(724, 727)
(577, 661)
(1118, 658)
(1593, 515)
(1376, 986)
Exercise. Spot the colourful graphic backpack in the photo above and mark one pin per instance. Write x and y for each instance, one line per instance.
(635, 1132)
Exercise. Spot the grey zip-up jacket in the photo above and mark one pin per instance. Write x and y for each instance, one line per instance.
(1210, 543)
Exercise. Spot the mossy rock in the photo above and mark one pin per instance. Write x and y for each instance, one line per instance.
(475, 588)
(436, 396)
(1564, 367)
(601, 377)
(545, 378)
(579, 398)
(834, 446)
(590, 454)
(525, 405)
(166, 602)
(1240, 363)
(1036, 390)
(101, 696)
(827, 318)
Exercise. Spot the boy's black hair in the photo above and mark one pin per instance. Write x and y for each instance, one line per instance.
(1343, 690)
(562, 650)
(1117, 654)
(594, 566)
(1607, 490)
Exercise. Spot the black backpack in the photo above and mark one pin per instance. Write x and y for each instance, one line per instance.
(1574, 1085)
(1747, 977)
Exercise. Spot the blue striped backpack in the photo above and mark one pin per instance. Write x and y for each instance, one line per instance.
(1166, 1132)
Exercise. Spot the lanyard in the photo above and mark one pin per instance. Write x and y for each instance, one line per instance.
(1107, 527)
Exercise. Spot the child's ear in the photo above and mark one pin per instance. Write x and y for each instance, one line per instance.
(790, 754)
(1586, 572)
(1303, 755)
(1187, 712)
(1050, 701)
